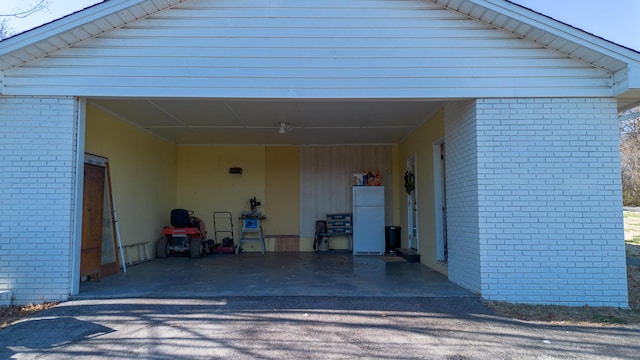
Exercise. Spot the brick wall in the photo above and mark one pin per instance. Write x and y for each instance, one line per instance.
(37, 156)
(462, 195)
(549, 201)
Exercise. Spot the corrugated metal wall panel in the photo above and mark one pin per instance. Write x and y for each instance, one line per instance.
(287, 48)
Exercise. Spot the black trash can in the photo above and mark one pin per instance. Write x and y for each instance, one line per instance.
(392, 236)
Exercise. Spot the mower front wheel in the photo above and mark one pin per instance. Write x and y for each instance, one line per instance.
(195, 248)
(162, 248)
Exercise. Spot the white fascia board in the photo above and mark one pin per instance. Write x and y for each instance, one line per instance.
(64, 24)
(634, 76)
(562, 30)
(627, 79)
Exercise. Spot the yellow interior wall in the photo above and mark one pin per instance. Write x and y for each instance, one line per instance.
(271, 174)
(283, 190)
(205, 184)
(143, 174)
(150, 177)
(420, 143)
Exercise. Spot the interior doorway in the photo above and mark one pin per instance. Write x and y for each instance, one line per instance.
(412, 205)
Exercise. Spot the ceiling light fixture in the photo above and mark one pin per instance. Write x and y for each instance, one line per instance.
(285, 128)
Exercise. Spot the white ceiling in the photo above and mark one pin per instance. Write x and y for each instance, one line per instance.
(256, 122)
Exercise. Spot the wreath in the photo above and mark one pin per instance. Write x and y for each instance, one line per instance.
(409, 182)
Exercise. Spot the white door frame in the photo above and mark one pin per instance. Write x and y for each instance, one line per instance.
(412, 207)
(440, 207)
(76, 249)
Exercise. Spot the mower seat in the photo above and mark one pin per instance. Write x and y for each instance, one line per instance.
(180, 218)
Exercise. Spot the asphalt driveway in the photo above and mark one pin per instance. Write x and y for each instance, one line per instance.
(302, 328)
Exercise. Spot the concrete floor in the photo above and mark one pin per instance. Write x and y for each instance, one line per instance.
(274, 274)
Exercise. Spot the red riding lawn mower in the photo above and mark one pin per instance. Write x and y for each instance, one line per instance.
(186, 235)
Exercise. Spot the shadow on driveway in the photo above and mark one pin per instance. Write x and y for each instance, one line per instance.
(302, 327)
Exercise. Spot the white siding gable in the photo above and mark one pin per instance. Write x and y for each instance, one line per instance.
(308, 49)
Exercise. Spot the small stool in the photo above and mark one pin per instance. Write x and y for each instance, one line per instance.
(251, 226)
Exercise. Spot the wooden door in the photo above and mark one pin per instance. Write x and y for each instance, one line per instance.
(93, 203)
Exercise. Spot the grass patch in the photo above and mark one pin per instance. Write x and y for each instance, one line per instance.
(632, 214)
(632, 226)
(602, 318)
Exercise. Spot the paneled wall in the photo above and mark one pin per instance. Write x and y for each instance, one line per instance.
(326, 179)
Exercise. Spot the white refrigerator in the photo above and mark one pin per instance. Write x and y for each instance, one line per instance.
(368, 220)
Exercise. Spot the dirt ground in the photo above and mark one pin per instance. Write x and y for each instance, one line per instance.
(11, 314)
(578, 315)
(537, 313)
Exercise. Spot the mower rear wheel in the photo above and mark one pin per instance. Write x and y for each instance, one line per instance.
(162, 248)
(195, 248)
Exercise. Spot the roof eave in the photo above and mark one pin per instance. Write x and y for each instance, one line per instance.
(561, 29)
(624, 63)
(627, 91)
(64, 24)
(546, 24)
(100, 15)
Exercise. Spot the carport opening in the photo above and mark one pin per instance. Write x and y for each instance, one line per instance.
(179, 153)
